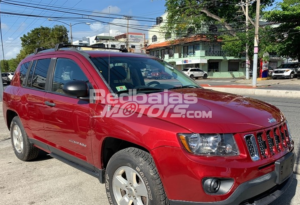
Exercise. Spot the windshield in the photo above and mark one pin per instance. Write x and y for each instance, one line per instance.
(288, 66)
(143, 74)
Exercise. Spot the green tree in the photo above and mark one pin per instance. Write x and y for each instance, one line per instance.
(185, 14)
(4, 65)
(12, 64)
(287, 33)
(42, 37)
(235, 45)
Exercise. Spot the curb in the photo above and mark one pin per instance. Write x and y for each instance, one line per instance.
(261, 92)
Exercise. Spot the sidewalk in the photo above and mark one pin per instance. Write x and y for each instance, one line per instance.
(273, 88)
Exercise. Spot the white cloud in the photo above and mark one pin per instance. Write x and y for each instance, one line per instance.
(12, 52)
(113, 28)
(4, 26)
(111, 10)
(12, 48)
(96, 26)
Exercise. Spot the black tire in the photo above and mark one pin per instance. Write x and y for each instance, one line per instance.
(205, 76)
(192, 76)
(292, 75)
(274, 78)
(142, 163)
(28, 151)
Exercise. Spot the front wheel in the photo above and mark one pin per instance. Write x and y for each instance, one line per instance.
(292, 75)
(205, 76)
(132, 179)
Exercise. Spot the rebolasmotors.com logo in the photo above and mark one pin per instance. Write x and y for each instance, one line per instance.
(164, 104)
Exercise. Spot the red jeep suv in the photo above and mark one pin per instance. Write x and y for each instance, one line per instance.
(152, 142)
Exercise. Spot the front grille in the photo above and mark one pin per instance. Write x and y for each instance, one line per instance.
(266, 143)
(278, 71)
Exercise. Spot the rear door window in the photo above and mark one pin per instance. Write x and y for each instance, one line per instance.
(38, 79)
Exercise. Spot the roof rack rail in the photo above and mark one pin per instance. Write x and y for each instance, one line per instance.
(61, 45)
(38, 50)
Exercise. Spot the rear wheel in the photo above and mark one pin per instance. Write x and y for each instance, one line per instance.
(192, 76)
(24, 150)
(132, 179)
(205, 76)
(292, 75)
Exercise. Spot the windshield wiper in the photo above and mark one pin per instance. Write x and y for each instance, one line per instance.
(184, 86)
(147, 89)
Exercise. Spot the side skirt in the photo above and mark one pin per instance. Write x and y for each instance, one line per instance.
(72, 161)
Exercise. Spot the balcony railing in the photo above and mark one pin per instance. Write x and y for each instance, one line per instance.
(215, 53)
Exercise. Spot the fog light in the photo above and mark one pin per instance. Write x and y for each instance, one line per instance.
(212, 185)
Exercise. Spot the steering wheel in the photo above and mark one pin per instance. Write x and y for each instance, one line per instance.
(153, 83)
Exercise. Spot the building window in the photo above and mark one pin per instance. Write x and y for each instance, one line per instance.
(233, 66)
(157, 54)
(185, 51)
(112, 46)
(163, 53)
(197, 47)
(170, 52)
(154, 38)
(213, 66)
(191, 50)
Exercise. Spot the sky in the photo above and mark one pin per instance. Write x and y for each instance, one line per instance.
(30, 14)
(98, 13)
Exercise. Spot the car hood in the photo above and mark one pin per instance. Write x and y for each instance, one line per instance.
(219, 112)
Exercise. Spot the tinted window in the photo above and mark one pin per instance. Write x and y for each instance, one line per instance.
(29, 79)
(23, 71)
(186, 69)
(66, 70)
(40, 74)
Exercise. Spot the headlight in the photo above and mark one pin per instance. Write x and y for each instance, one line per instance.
(210, 144)
(287, 70)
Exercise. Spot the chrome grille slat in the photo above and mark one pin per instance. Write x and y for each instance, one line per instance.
(270, 142)
(252, 147)
(277, 140)
(262, 145)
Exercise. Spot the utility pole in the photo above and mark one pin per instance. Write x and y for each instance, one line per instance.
(71, 34)
(127, 35)
(247, 47)
(256, 41)
(109, 28)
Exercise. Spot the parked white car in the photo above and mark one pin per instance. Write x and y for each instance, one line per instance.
(195, 73)
(286, 70)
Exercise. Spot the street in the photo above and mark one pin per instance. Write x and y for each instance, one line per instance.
(49, 181)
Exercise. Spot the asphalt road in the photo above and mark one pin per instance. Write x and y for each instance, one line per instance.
(49, 181)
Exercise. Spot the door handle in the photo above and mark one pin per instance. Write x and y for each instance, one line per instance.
(49, 104)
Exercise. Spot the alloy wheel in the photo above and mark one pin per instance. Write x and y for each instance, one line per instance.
(18, 139)
(128, 187)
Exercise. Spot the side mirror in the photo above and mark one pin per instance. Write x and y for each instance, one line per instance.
(78, 89)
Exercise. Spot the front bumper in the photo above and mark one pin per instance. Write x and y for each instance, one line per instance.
(259, 191)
